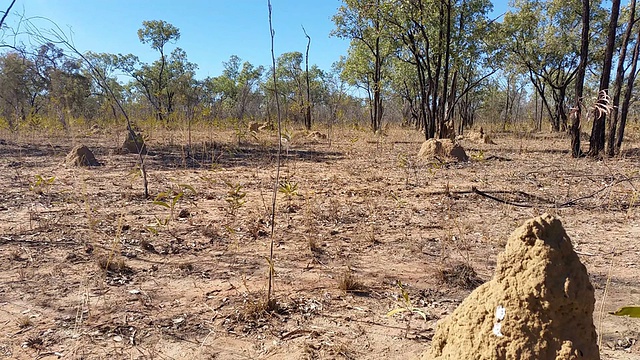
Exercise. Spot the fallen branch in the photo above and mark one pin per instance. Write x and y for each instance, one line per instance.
(482, 193)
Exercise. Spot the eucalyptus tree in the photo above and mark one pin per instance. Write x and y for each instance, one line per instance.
(106, 65)
(617, 110)
(292, 84)
(236, 89)
(449, 45)
(361, 21)
(543, 37)
(579, 82)
(153, 79)
(59, 82)
(20, 90)
(358, 71)
(630, 81)
(597, 139)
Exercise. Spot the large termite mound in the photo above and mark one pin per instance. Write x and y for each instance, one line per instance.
(442, 149)
(539, 305)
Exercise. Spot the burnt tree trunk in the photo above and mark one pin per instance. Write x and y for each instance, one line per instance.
(584, 52)
(617, 87)
(307, 115)
(597, 140)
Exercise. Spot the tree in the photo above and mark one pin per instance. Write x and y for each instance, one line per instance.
(291, 84)
(236, 88)
(579, 82)
(106, 65)
(448, 45)
(20, 88)
(619, 79)
(624, 109)
(538, 40)
(597, 139)
(361, 21)
(157, 33)
(307, 106)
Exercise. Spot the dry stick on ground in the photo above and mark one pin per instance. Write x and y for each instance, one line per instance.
(564, 204)
(277, 181)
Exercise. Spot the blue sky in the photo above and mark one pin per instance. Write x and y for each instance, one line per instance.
(211, 30)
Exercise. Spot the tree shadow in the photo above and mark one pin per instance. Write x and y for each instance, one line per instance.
(206, 155)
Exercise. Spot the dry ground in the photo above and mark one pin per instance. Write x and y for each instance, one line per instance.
(91, 270)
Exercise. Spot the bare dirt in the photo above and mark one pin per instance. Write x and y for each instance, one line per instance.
(90, 269)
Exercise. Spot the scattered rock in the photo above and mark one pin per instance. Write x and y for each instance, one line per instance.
(442, 148)
(81, 156)
(317, 135)
(539, 305)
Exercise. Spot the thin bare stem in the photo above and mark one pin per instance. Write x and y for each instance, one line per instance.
(277, 180)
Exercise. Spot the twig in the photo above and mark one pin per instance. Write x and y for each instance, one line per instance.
(6, 13)
(482, 193)
(298, 332)
(604, 298)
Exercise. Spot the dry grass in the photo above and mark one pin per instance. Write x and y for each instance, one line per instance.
(108, 263)
(349, 283)
(460, 275)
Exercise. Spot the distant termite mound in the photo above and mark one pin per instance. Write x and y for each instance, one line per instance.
(80, 155)
(442, 149)
(134, 144)
(480, 137)
(539, 304)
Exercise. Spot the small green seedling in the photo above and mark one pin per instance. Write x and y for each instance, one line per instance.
(169, 200)
(235, 197)
(41, 184)
(405, 305)
(288, 188)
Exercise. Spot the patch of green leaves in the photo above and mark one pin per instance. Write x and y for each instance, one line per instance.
(235, 197)
(41, 184)
(405, 305)
(288, 188)
(630, 311)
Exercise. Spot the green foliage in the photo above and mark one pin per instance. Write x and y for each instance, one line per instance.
(478, 156)
(630, 311)
(41, 185)
(235, 197)
(288, 188)
(158, 33)
(405, 305)
(169, 200)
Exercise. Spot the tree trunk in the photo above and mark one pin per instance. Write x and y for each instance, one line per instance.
(584, 53)
(307, 115)
(597, 140)
(377, 76)
(617, 87)
(624, 109)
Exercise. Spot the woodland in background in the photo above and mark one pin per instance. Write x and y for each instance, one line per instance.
(438, 66)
